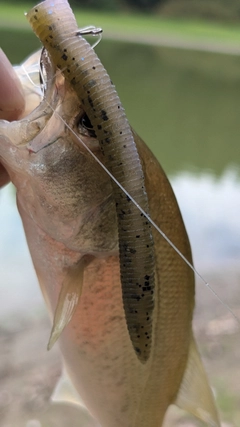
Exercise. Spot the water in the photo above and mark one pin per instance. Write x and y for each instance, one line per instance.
(18, 281)
(210, 209)
(186, 106)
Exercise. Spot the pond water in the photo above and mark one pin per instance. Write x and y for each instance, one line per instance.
(186, 106)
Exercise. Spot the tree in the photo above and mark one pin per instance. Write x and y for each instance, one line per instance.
(147, 5)
(97, 4)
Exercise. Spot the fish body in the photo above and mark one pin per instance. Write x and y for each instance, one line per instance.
(68, 209)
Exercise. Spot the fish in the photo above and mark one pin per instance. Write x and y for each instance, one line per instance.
(121, 298)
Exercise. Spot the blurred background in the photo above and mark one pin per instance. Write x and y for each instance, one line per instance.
(176, 66)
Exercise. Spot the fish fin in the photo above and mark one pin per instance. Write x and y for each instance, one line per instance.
(65, 392)
(195, 395)
(67, 301)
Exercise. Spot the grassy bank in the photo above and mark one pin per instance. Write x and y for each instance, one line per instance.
(119, 23)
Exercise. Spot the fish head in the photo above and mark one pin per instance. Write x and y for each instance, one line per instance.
(60, 186)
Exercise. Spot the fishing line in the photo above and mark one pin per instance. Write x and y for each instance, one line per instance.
(146, 215)
(37, 91)
(91, 31)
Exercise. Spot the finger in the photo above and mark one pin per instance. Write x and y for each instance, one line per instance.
(11, 94)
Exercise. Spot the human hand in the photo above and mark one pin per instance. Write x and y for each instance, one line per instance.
(11, 100)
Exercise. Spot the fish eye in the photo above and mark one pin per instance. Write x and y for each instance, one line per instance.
(85, 127)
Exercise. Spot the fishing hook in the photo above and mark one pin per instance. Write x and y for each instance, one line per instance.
(91, 31)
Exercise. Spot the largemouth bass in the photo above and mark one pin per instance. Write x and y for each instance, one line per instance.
(120, 296)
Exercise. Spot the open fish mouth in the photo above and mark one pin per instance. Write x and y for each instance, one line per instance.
(46, 92)
(29, 78)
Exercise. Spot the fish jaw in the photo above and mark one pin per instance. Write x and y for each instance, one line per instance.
(14, 92)
(58, 183)
(29, 76)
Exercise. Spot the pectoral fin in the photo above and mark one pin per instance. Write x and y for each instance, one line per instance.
(195, 395)
(67, 301)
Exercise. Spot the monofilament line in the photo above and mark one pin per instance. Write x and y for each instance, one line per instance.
(142, 210)
(148, 217)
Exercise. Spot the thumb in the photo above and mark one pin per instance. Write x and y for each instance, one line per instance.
(11, 94)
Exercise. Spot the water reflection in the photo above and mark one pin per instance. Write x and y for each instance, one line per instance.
(210, 208)
(18, 281)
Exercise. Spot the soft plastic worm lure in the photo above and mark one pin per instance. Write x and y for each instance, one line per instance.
(55, 25)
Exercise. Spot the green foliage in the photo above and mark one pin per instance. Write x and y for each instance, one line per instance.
(146, 5)
(97, 4)
(222, 10)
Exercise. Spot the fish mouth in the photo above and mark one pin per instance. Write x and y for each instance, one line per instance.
(45, 92)
(35, 80)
